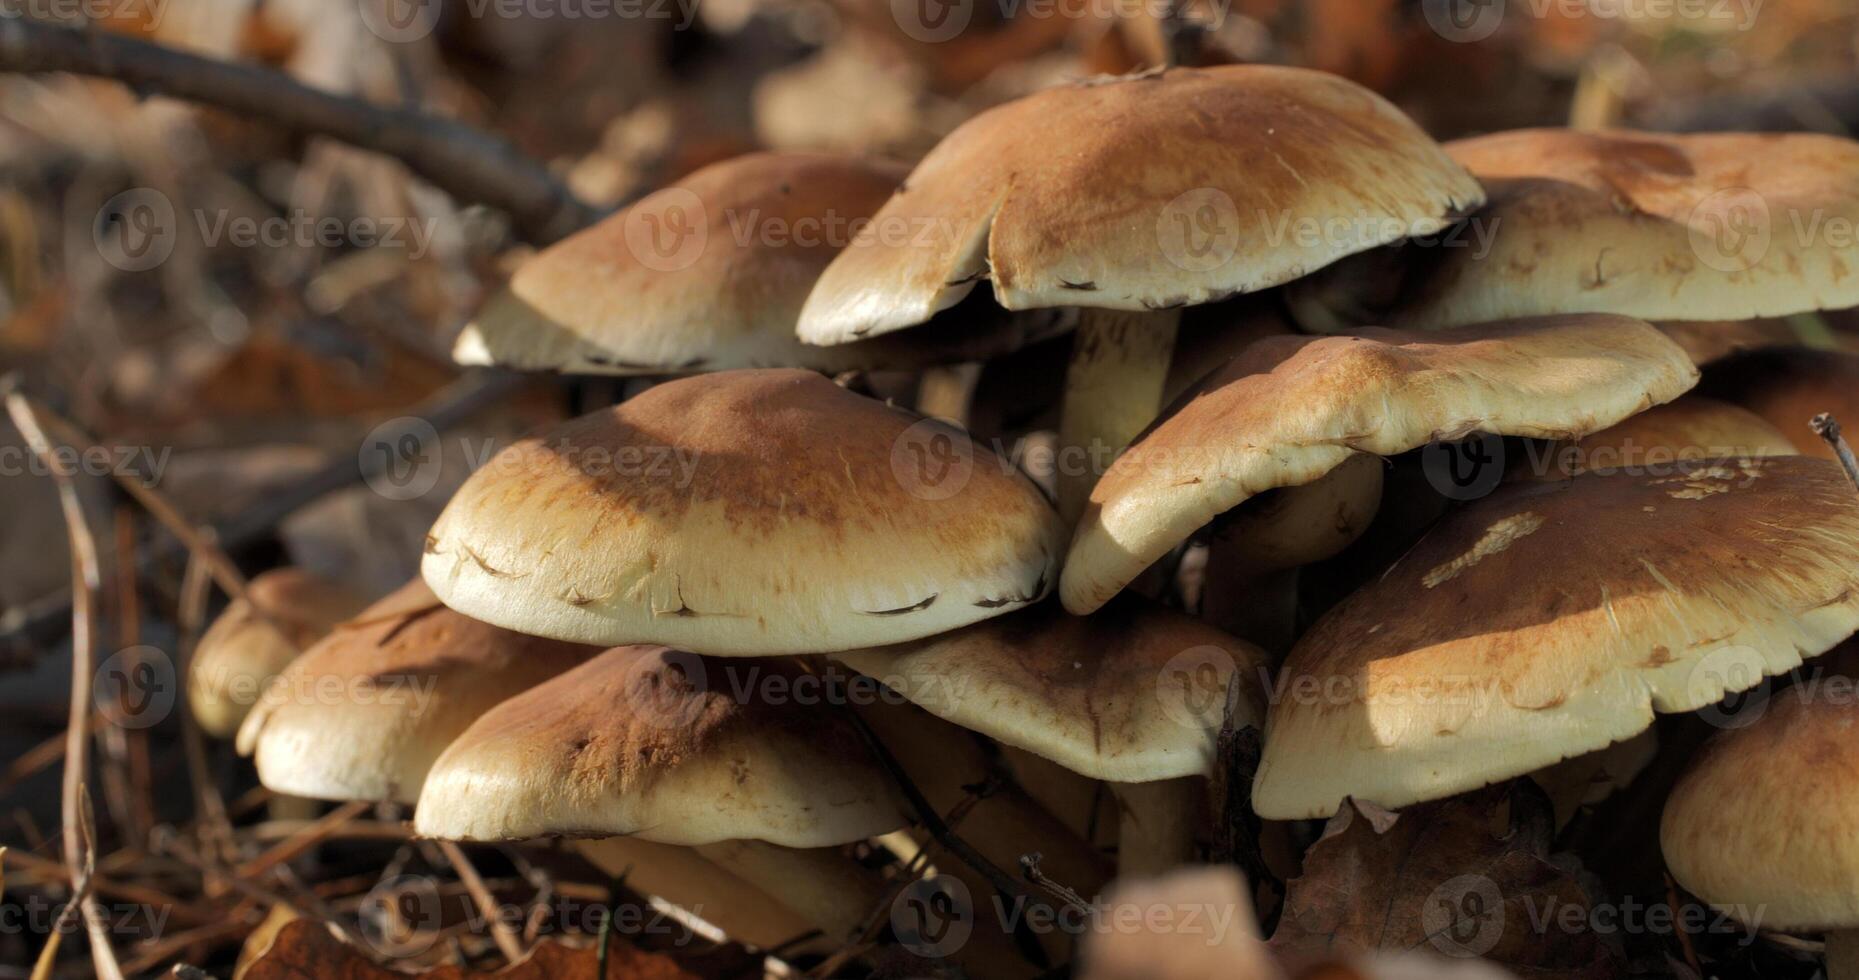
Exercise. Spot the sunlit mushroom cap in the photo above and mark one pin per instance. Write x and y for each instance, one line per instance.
(1789, 386)
(1552, 619)
(1764, 825)
(1665, 227)
(709, 274)
(1693, 427)
(1144, 192)
(284, 611)
(1290, 409)
(666, 745)
(362, 714)
(744, 513)
(1134, 693)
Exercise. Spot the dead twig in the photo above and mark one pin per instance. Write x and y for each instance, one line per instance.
(468, 163)
(501, 933)
(1827, 427)
(305, 838)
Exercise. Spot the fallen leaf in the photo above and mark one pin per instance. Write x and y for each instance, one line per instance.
(304, 949)
(1467, 876)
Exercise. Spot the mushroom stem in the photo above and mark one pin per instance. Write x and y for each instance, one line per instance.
(1113, 388)
(1843, 955)
(1157, 826)
(947, 391)
(683, 877)
(823, 884)
(1070, 796)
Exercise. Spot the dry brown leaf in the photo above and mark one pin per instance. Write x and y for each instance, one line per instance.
(304, 949)
(1468, 876)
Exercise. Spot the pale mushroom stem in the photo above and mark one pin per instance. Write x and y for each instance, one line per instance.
(947, 391)
(1157, 826)
(1069, 795)
(687, 879)
(1843, 955)
(824, 884)
(1113, 388)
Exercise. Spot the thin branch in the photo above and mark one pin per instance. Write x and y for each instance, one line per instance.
(86, 583)
(505, 937)
(1827, 427)
(468, 163)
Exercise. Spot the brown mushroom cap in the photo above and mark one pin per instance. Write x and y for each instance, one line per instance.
(1710, 341)
(744, 513)
(1553, 619)
(666, 745)
(1687, 227)
(1290, 409)
(283, 611)
(1789, 386)
(1693, 427)
(1134, 693)
(363, 714)
(1166, 189)
(1764, 825)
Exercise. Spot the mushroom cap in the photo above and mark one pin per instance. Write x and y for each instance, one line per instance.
(1294, 526)
(668, 746)
(363, 714)
(283, 611)
(744, 513)
(1789, 386)
(1693, 427)
(1134, 693)
(1764, 824)
(1665, 227)
(1710, 341)
(709, 274)
(1221, 181)
(1290, 409)
(1552, 619)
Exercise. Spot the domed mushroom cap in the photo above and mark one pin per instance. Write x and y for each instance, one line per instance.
(709, 274)
(1290, 409)
(1789, 386)
(744, 513)
(669, 746)
(1710, 341)
(1249, 176)
(1553, 619)
(284, 611)
(1765, 823)
(363, 714)
(1690, 227)
(1693, 427)
(1135, 693)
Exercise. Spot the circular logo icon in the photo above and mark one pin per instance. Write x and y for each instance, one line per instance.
(400, 21)
(1464, 917)
(932, 459)
(1199, 230)
(1731, 229)
(135, 230)
(932, 21)
(401, 916)
(1732, 684)
(667, 231)
(400, 458)
(1192, 687)
(136, 687)
(933, 917)
(1463, 21)
(1464, 470)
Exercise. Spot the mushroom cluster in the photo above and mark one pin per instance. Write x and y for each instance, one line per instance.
(786, 653)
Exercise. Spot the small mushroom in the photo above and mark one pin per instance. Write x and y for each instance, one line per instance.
(1225, 180)
(1291, 409)
(363, 714)
(1691, 428)
(1761, 827)
(744, 513)
(283, 611)
(1788, 386)
(1549, 620)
